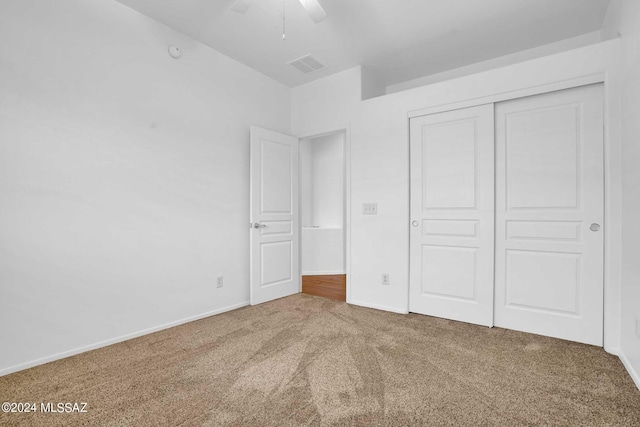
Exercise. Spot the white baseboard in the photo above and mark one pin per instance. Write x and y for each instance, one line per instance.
(116, 340)
(323, 273)
(635, 375)
(378, 307)
(612, 350)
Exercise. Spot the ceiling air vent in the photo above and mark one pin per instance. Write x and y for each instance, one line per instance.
(307, 64)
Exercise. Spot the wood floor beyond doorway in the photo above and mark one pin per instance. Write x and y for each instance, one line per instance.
(333, 286)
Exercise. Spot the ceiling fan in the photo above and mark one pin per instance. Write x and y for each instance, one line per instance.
(313, 7)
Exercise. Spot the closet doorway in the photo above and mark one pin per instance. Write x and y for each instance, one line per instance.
(322, 215)
(507, 214)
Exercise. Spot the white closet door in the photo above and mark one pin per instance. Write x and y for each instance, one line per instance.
(549, 214)
(452, 221)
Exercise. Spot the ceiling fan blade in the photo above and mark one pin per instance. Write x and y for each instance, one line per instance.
(315, 10)
(241, 6)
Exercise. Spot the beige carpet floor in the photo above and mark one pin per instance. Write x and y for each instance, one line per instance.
(306, 360)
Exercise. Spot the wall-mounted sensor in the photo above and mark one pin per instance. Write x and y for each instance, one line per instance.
(174, 51)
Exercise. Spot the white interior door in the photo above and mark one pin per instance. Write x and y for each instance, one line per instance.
(274, 217)
(452, 215)
(549, 214)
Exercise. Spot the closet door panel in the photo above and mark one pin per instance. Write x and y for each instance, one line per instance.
(452, 223)
(549, 214)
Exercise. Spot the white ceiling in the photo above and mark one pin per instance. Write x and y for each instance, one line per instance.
(398, 39)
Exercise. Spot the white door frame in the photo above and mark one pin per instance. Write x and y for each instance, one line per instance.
(346, 130)
(612, 178)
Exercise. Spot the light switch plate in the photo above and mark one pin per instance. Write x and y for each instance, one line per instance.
(638, 327)
(370, 208)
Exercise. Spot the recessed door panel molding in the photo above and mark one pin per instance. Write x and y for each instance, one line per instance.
(545, 281)
(452, 221)
(275, 240)
(272, 228)
(276, 262)
(543, 158)
(550, 189)
(461, 266)
(559, 231)
(449, 165)
(276, 159)
(450, 228)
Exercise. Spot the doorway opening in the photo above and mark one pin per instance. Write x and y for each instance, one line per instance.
(323, 215)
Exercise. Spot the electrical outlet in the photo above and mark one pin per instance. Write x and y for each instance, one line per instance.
(370, 208)
(385, 279)
(638, 327)
(220, 281)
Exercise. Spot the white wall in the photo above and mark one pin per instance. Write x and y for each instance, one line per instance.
(123, 176)
(380, 160)
(322, 180)
(623, 19)
(322, 251)
(306, 183)
(502, 61)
